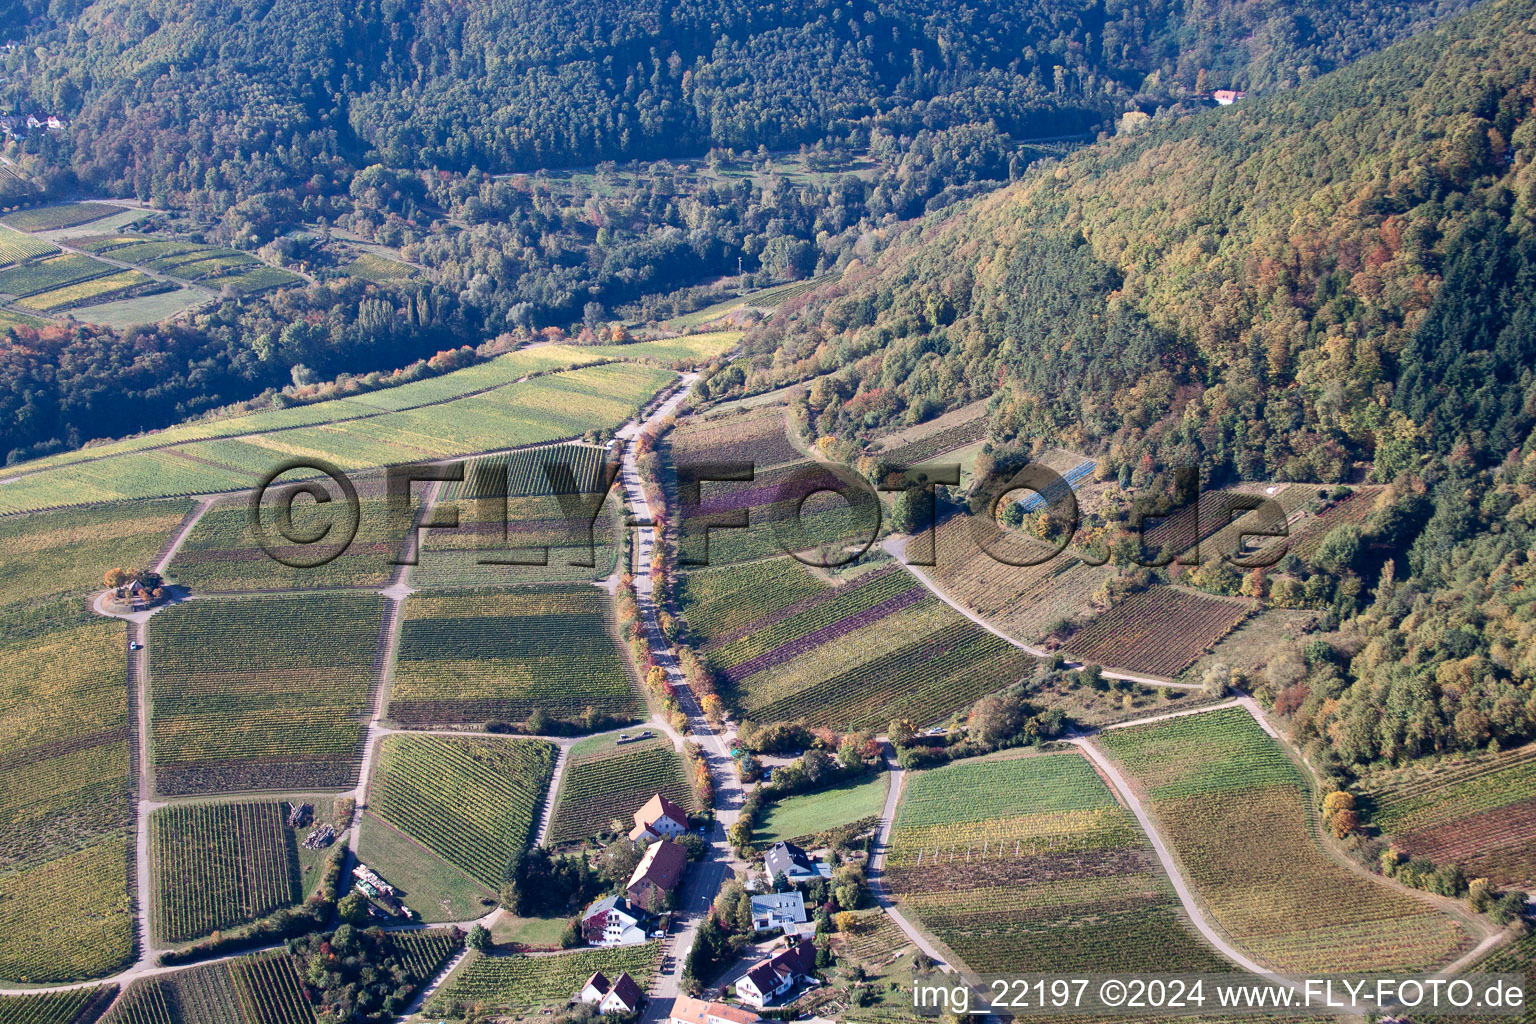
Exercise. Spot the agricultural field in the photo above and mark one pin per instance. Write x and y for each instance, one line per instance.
(373, 267)
(1030, 864)
(1478, 811)
(219, 865)
(473, 801)
(85, 291)
(796, 817)
(141, 309)
(212, 266)
(222, 554)
(76, 1006)
(1159, 631)
(756, 436)
(727, 601)
(482, 655)
(1326, 514)
(927, 441)
(762, 299)
(1026, 602)
(490, 407)
(262, 693)
(424, 882)
(525, 982)
(16, 248)
(47, 554)
(248, 280)
(519, 524)
(61, 215)
(788, 508)
(9, 319)
(689, 350)
(610, 782)
(44, 275)
(266, 988)
(856, 655)
(1237, 814)
(65, 795)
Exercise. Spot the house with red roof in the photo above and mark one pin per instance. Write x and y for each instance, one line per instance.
(657, 874)
(660, 818)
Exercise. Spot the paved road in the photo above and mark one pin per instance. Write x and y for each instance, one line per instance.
(876, 872)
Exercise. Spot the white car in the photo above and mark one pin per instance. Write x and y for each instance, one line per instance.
(134, 645)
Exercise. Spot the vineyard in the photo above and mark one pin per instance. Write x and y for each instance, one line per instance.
(96, 288)
(68, 918)
(756, 437)
(262, 693)
(1029, 863)
(263, 989)
(372, 267)
(1237, 816)
(1025, 602)
(612, 784)
(913, 448)
(1351, 510)
(51, 553)
(788, 508)
(218, 865)
(44, 275)
(525, 982)
(211, 266)
(519, 412)
(1160, 631)
(726, 601)
(1479, 812)
(78, 1006)
(476, 656)
(473, 801)
(16, 248)
(689, 350)
(61, 215)
(65, 796)
(222, 553)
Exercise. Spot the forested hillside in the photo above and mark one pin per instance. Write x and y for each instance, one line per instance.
(1328, 285)
(169, 99)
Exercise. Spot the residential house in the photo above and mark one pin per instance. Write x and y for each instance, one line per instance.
(55, 123)
(657, 874)
(777, 976)
(660, 818)
(621, 995)
(793, 863)
(1227, 97)
(33, 123)
(612, 922)
(776, 910)
(697, 1011)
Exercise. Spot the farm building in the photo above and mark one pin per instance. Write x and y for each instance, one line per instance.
(612, 922)
(657, 874)
(778, 911)
(697, 1011)
(659, 818)
(621, 995)
(777, 975)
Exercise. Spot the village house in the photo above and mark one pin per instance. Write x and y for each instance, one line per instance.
(657, 874)
(697, 1011)
(659, 818)
(777, 976)
(612, 922)
(621, 995)
(1227, 97)
(793, 863)
(778, 911)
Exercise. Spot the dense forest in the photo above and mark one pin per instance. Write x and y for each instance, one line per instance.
(1330, 285)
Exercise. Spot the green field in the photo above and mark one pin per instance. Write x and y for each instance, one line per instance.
(526, 982)
(84, 291)
(611, 782)
(473, 801)
(9, 320)
(373, 267)
(61, 215)
(426, 883)
(219, 865)
(799, 816)
(1238, 816)
(141, 309)
(483, 655)
(39, 276)
(14, 248)
(689, 350)
(358, 435)
(266, 693)
(1030, 864)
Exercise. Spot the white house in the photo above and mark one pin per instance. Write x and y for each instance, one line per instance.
(778, 975)
(621, 995)
(659, 818)
(612, 922)
(777, 910)
(793, 863)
